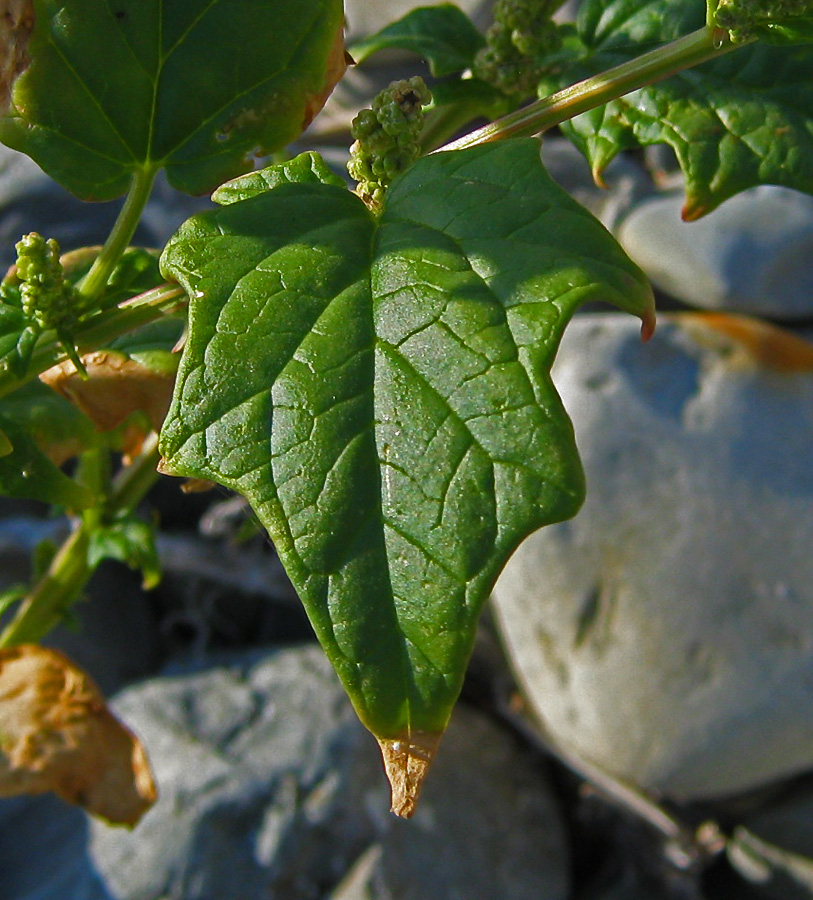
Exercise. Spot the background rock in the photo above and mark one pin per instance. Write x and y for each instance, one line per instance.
(665, 633)
(31, 201)
(751, 255)
(270, 788)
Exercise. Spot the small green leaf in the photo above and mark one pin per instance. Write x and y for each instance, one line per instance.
(443, 35)
(57, 427)
(379, 389)
(18, 336)
(734, 122)
(42, 427)
(12, 595)
(307, 168)
(771, 21)
(471, 97)
(198, 87)
(129, 540)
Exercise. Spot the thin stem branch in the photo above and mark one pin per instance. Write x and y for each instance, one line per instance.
(133, 481)
(119, 239)
(691, 50)
(43, 608)
(69, 572)
(96, 332)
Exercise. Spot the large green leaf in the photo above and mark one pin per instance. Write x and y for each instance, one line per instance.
(379, 390)
(195, 86)
(442, 34)
(735, 122)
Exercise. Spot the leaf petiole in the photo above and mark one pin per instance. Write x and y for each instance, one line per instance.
(92, 285)
(96, 332)
(684, 53)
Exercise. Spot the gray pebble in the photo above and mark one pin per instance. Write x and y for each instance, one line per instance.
(751, 255)
(270, 788)
(665, 633)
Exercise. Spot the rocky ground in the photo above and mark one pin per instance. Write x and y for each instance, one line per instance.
(636, 724)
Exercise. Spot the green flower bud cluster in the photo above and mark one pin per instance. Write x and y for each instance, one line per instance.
(46, 298)
(748, 19)
(522, 35)
(387, 138)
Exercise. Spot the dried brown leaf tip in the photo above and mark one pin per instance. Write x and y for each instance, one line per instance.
(57, 734)
(16, 23)
(336, 65)
(406, 762)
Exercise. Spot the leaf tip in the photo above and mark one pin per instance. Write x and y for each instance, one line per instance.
(694, 209)
(648, 323)
(406, 762)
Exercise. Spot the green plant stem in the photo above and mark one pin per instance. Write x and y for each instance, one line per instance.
(43, 608)
(96, 332)
(133, 481)
(691, 50)
(69, 572)
(96, 279)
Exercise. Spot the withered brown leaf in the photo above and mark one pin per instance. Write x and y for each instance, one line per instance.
(57, 734)
(116, 387)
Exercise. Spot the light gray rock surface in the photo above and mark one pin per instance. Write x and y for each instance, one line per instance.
(666, 633)
(270, 788)
(751, 255)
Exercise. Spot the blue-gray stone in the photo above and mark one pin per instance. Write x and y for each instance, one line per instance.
(270, 788)
(665, 633)
(751, 255)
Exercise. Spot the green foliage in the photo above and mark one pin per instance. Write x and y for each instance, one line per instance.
(130, 540)
(372, 374)
(443, 35)
(734, 122)
(772, 21)
(397, 368)
(43, 430)
(307, 168)
(197, 87)
(387, 138)
(522, 36)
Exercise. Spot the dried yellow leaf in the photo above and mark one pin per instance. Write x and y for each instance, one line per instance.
(116, 387)
(16, 23)
(57, 734)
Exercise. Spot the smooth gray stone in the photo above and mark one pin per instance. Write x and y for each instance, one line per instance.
(270, 788)
(665, 633)
(751, 255)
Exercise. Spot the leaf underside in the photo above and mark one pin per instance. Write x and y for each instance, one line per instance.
(41, 427)
(198, 87)
(379, 390)
(735, 122)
